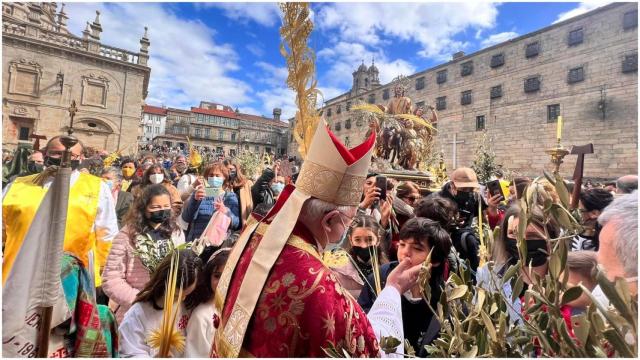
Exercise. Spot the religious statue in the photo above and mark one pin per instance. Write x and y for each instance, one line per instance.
(405, 136)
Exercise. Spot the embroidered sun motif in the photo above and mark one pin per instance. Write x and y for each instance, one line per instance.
(329, 325)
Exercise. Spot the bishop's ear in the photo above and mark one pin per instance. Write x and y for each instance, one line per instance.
(326, 220)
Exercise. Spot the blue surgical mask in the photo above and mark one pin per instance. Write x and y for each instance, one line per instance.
(277, 187)
(109, 184)
(215, 181)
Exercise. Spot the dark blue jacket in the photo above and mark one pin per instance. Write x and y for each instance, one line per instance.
(198, 213)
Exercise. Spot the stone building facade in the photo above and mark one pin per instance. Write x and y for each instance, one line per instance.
(219, 128)
(584, 68)
(154, 119)
(45, 68)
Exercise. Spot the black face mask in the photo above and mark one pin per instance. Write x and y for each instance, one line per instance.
(462, 197)
(511, 246)
(536, 252)
(49, 161)
(34, 168)
(362, 254)
(160, 216)
(232, 175)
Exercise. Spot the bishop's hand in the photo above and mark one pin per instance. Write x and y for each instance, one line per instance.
(404, 276)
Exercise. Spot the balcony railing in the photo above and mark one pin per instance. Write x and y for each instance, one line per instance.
(69, 41)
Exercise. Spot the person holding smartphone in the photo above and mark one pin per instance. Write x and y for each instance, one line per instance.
(213, 193)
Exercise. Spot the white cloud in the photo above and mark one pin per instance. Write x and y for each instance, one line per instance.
(581, 9)
(282, 97)
(255, 49)
(265, 14)
(187, 64)
(498, 38)
(431, 25)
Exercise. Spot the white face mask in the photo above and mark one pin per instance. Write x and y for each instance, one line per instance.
(156, 178)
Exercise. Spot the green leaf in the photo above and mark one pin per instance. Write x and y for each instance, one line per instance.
(471, 353)
(571, 294)
(512, 270)
(581, 327)
(389, 344)
(619, 344)
(517, 288)
(494, 308)
(481, 295)
(458, 292)
(609, 289)
(456, 279)
(549, 177)
(555, 267)
(489, 326)
(562, 191)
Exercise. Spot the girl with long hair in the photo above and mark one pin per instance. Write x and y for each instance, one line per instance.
(146, 313)
(149, 233)
(241, 187)
(156, 174)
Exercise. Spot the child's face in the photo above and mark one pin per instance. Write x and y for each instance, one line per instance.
(416, 251)
(215, 277)
(363, 237)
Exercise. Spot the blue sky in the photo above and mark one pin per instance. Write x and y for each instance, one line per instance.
(229, 52)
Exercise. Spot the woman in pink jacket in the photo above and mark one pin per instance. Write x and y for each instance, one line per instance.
(148, 234)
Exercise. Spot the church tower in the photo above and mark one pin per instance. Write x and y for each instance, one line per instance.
(365, 79)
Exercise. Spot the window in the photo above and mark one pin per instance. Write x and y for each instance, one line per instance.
(532, 50)
(420, 83)
(233, 136)
(207, 133)
(157, 119)
(267, 150)
(497, 60)
(442, 77)
(198, 132)
(157, 129)
(338, 126)
(359, 122)
(553, 111)
(257, 148)
(575, 75)
(329, 112)
(348, 105)
(630, 20)
(347, 124)
(148, 129)
(630, 63)
(24, 133)
(420, 104)
(576, 37)
(441, 103)
(480, 123)
(532, 84)
(465, 98)
(385, 94)
(466, 68)
(347, 143)
(220, 134)
(496, 92)
(339, 109)
(371, 99)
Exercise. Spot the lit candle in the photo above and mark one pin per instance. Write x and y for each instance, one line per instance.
(559, 128)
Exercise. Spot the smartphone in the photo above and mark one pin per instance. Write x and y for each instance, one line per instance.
(381, 183)
(495, 188)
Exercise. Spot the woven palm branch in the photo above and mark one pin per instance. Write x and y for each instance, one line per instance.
(416, 120)
(167, 337)
(368, 108)
(195, 159)
(295, 31)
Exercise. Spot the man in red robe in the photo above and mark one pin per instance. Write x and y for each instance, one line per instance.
(276, 298)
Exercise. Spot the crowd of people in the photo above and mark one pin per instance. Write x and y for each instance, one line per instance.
(152, 206)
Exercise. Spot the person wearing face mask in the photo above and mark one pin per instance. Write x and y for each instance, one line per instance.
(123, 199)
(278, 261)
(242, 188)
(592, 203)
(149, 228)
(277, 186)
(352, 263)
(156, 174)
(180, 166)
(200, 208)
(128, 168)
(418, 237)
(36, 163)
(91, 216)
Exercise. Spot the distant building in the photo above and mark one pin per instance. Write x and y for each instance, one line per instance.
(153, 123)
(221, 129)
(45, 67)
(584, 68)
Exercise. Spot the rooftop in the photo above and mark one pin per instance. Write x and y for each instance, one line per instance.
(154, 110)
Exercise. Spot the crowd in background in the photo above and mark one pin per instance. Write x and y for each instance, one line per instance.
(161, 202)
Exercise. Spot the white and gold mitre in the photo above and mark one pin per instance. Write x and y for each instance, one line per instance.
(333, 173)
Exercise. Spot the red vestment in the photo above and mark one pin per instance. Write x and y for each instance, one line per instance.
(302, 308)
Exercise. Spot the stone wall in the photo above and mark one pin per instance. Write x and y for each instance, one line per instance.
(517, 122)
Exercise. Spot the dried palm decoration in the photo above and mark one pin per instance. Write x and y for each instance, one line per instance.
(195, 159)
(482, 252)
(295, 31)
(375, 264)
(368, 108)
(167, 337)
(417, 120)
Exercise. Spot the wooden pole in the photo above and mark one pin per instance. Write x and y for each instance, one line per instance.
(44, 332)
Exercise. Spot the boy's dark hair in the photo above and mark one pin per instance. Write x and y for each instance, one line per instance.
(595, 199)
(437, 208)
(126, 160)
(429, 233)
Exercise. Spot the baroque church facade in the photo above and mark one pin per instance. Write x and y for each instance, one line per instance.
(45, 68)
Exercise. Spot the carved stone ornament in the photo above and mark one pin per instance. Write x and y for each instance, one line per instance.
(20, 110)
